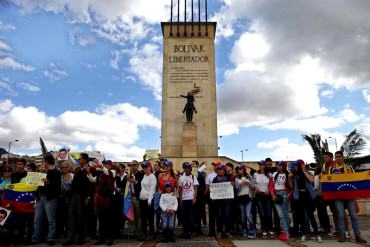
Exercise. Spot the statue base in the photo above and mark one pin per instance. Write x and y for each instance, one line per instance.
(189, 140)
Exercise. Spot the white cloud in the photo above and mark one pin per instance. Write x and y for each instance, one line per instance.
(6, 105)
(327, 94)
(287, 55)
(11, 63)
(4, 46)
(146, 64)
(115, 20)
(366, 94)
(32, 87)
(6, 27)
(53, 73)
(249, 50)
(283, 149)
(6, 86)
(317, 124)
(77, 36)
(86, 40)
(116, 56)
(113, 129)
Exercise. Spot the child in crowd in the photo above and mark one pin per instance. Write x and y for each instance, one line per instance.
(168, 204)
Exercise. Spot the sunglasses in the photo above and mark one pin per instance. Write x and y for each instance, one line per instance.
(7, 171)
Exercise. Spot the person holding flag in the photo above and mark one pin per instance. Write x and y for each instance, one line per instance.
(339, 168)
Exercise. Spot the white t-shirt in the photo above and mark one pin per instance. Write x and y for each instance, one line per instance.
(187, 184)
(262, 182)
(280, 181)
(242, 188)
(210, 177)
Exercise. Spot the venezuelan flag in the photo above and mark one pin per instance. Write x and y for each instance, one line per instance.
(20, 196)
(128, 209)
(346, 186)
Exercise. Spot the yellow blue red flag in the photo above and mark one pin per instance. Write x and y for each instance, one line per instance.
(20, 196)
(346, 186)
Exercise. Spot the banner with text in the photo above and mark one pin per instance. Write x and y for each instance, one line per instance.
(221, 191)
(35, 178)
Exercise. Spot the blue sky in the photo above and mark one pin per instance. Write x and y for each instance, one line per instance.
(88, 75)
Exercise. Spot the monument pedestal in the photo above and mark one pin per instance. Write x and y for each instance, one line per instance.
(189, 140)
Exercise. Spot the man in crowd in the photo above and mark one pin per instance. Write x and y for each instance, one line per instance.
(339, 168)
(47, 202)
(81, 196)
(24, 220)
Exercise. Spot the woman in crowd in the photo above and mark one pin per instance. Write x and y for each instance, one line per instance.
(304, 199)
(64, 199)
(279, 189)
(167, 176)
(148, 187)
(245, 185)
(5, 179)
(264, 202)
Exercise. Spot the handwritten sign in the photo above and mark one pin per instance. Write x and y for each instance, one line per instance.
(221, 191)
(35, 178)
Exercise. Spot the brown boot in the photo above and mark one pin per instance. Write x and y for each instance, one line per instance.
(359, 239)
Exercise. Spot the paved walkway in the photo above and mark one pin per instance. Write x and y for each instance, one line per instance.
(238, 241)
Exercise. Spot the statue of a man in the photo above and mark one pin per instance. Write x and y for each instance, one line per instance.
(189, 108)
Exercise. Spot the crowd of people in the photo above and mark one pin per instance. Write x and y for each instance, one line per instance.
(86, 200)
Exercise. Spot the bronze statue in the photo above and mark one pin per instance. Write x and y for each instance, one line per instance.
(189, 108)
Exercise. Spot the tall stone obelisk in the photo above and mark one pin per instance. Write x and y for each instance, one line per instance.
(188, 65)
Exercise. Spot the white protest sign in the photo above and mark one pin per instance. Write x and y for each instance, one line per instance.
(35, 178)
(221, 191)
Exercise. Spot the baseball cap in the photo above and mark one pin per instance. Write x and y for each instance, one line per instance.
(186, 165)
(217, 163)
(145, 164)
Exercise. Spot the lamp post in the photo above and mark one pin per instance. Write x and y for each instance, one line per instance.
(335, 140)
(10, 144)
(242, 151)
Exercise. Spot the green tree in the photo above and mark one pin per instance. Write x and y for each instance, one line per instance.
(351, 146)
(318, 146)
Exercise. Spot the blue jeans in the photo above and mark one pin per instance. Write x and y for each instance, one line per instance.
(48, 207)
(246, 216)
(340, 205)
(283, 211)
(168, 221)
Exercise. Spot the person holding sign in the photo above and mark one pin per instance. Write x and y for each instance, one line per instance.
(222, 206)
(341, 205)
(188, 184)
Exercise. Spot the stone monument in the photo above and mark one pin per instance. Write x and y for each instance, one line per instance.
(189, 72)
